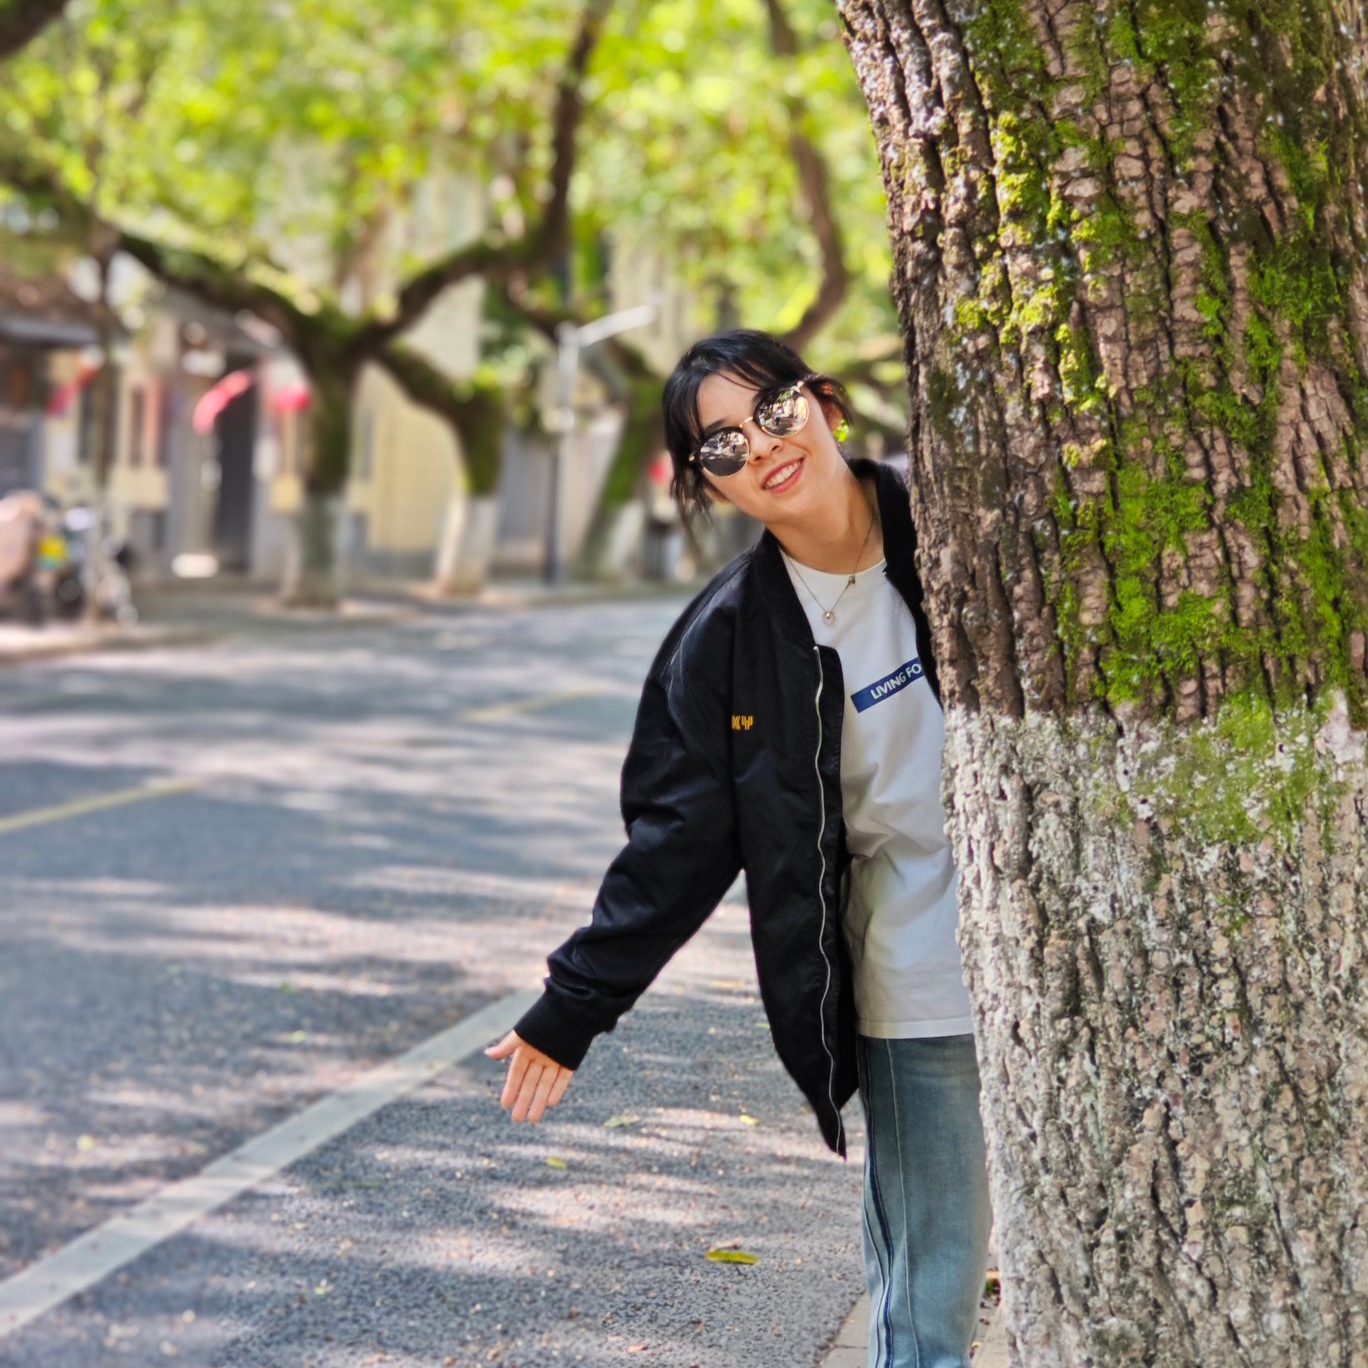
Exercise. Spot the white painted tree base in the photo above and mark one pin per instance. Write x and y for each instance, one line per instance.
(313, 572)
(612, 548)
(1173, 1031)
(467, 546)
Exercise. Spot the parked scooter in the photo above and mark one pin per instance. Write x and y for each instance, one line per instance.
(97, 569)
(28, 541)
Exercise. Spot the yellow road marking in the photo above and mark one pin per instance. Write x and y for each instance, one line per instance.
(498, 711)
(103, 800)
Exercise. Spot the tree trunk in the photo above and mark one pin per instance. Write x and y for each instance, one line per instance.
(478, 411)
(611, 551)
(22, 20)
(613, 541)
(468, 541)
(1130, 271)
(313, 571)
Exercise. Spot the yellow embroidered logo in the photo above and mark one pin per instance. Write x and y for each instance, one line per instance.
(742, 722)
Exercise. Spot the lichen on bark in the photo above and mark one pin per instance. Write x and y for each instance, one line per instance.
(1171, 1002)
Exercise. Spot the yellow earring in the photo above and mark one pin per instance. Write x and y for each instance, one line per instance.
(841, 431)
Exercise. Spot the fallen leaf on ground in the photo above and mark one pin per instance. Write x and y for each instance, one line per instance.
(621, 1122)
(731, 1256)
(556, 1162)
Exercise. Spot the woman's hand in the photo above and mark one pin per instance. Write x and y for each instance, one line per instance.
(535, 1081)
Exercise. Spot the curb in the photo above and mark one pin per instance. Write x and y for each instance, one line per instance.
(92, 640)
(515, 596)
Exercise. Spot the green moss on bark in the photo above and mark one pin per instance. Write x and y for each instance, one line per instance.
(1279, 56)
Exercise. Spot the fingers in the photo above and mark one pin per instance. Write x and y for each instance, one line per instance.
(513, 1083)
(558, 1091)
(526, 1092)
(541, 1098)
(534, 1081)
(505, 1047)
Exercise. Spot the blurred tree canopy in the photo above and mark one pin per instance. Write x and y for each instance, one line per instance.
(315, 160)
(287, 133)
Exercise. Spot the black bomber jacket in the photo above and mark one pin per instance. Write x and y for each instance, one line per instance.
(735, 764)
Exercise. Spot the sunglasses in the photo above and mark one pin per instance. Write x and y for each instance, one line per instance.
(779, 412)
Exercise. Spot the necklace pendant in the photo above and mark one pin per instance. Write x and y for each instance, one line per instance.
(850, 581)
(829, 616)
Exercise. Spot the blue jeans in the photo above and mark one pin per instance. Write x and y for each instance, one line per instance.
(926, 1212)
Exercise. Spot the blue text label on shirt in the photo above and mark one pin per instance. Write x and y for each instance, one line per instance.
(887, 686)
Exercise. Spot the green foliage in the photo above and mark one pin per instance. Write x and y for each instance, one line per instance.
(687, 151)
(285, 139)
(286, 131)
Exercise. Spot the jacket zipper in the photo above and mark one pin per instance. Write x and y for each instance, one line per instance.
(821, 898)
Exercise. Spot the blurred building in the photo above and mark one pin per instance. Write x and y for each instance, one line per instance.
(42, 323)
(227, 486)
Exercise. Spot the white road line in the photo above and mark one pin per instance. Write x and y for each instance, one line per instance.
(498, 711)
(99, 1252)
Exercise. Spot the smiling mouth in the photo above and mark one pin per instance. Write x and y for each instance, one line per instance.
(782, 474)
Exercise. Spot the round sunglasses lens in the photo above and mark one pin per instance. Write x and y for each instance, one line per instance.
(724, 453)
(784, 413)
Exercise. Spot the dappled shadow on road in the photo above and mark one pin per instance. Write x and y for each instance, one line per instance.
(437, 1232)
(374, 850)
(361, 865)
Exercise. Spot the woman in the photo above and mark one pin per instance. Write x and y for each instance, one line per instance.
(790, 727)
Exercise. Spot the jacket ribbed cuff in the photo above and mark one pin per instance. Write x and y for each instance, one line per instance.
(555, 1029)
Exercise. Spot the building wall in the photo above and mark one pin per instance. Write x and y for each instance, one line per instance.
(405, 472)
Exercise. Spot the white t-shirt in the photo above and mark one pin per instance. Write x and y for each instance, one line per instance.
(900, 910)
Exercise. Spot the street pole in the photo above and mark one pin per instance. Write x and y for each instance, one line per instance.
(570, 342)
(567, 371)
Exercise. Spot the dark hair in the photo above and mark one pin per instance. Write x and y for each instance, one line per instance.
(751, 356)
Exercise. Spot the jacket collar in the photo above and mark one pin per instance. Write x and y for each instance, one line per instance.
(899, 538)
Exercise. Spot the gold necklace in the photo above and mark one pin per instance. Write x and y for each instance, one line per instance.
(829, 614)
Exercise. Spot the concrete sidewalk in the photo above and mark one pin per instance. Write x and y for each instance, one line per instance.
(850, 1349)
(192, 613)
(20, 643)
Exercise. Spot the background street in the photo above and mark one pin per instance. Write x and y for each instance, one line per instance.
(367, 833)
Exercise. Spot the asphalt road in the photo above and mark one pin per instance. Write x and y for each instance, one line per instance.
(370, 833)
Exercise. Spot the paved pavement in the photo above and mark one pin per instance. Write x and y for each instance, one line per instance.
(241, 879)
(850, 1349)
(238, 879)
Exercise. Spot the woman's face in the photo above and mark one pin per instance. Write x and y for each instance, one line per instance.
(786, 479)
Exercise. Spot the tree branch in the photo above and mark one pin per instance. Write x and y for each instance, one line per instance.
(425, 385)
(816, 188)
(220, 285)
(551, 237)
(21, 20)
(495, 256)
(210, 280)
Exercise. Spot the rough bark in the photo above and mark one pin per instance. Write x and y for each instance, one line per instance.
(1165, 936)
(1130, 271)
(22, 20)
